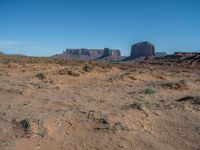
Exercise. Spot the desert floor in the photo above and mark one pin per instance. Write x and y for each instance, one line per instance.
(46, 106)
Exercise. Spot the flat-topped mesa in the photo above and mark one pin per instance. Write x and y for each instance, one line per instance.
(142, 49)
(93, 52)
(110, 52)
(89, 54)
(84, 51)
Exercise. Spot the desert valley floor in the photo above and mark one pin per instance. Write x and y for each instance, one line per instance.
(96, 106)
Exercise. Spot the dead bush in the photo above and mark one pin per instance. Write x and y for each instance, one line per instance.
(180, 85)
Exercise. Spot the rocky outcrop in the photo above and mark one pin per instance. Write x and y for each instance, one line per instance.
(182, 55)
(188, 57)
(1, 52)
(84, 51)
(111, 55)
(142, 49)
(186, 54)
(79, 54)
(110, 52)
(183, 58)
(88, 54)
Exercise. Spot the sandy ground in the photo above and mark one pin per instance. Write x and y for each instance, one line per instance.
(55, 107)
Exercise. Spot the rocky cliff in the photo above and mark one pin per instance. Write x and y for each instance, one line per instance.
(186, 54)
(111, 55)
(88, 54)
(142, 49)
(84, 51)
(184, 58)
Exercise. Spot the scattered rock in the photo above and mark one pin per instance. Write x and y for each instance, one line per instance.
(39, 85)
(73, 73)
(191, 99)
(101, 123)
(120, 126)
(63, 71)
(142, 106)
(139, 106)
(66, 71)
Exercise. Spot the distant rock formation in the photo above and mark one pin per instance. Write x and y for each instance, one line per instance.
(84, 51)
(186, 54)
(141, 49)
(110, 53)
(1, 52)
(160, 54)
(181, 55)
(191, 58)
(79, 54)
(88, 54)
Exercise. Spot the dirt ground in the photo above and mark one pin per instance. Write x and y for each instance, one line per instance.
(49, 106)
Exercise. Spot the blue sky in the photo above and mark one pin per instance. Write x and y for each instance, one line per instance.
(46, 27)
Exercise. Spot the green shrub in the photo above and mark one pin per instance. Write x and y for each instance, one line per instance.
(149, 91)
(40, 76)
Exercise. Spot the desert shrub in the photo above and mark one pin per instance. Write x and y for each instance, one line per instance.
(196, 100)
(40, 76)
(73, 73)
(25, 124)
(149, 91)
(30, 62)
(142, 106)
(88, 68)
(62, 71)
(180, 85)
(167, 85)
(120, 126)
(70, 72)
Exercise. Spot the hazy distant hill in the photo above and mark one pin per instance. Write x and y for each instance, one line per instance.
(160, 54)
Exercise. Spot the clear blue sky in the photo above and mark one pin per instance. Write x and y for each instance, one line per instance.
(46, 27)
